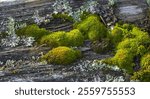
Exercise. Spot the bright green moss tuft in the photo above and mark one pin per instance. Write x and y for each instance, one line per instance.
(55, 39)
(130, 44)
(92, 28)
(128, 27)
(141, 50)
(125, 26)
(142, 75)
(145, 61)
(116, 35)
(74, 38)
(124, 59)
(108, 61)
(61, 55)
(121, 32)
(141, 36)
(33, 31)
(61, 38)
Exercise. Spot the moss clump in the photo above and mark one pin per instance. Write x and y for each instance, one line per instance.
(128, 27)
(92, 28)
(131, 48)
(145, 61)
(74, 38)
(141, 50)
(55, 39)
(130, 44)
(141, 36)
(116, 35)
(65, 17)
(142, 75)
(61, 38)
(61, 55)
(121, 32)
(33, 31)
(126, 30)
(125, 26)
(133, 43)
(124, 59)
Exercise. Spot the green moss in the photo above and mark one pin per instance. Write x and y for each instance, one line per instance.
(61, 38)
(142, 75)
(124, 59)
(64, 17)
(33, 31)
(125, 26)
(138, 43)
(128, 27)
(148, 48)
(145, 61)
(61, 55)
(116, 35)
(55, 39)
(108, 61)
(121, 32)
(130, 44)
(92, 28)
(141, 50)
(126, 30)
(74, 38)
(141, 36)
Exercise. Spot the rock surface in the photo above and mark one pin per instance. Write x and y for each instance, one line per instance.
(24, 11)
(131, 10)
(23, 64)
(23, 67)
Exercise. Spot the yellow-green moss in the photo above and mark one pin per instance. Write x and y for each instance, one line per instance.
(132, 43)
(124, 59)
(64, 17)
(116, 35)
(108, 61)
(92, 28)
(61, 38)
(144, 73)
(61, 55)
(141, 50)
(33, 31)
(141, 36)
(128, 27)
(55, 39)
(145, 61)
(142, 76)
(126, 30)
(74, 38)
